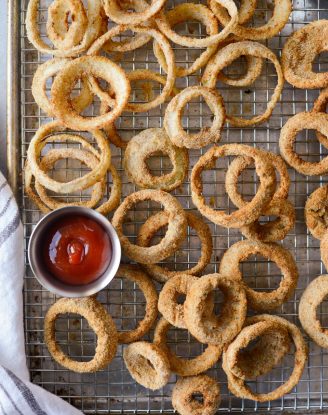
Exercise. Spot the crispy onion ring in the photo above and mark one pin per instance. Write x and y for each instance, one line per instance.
(47, 70)
(169, 57)
(174, 17)
(61, 34)
(311, 299)
(281, 12)
(245, 11)
(184, 402)
(173, 118)
(185, 367)
(146, 144)
(237, 385)
(209, 328)
(284, 260)
(134, 274)
(225, 57)
(176, 232)
(275, 230)
(100, 322)
(161, 219)
(198, 12)
(123, 17)
(295, 124)
(97, 66)
(41, 138)
(147, 364)
(299, 52)
(316, 212)
(248, 213)
(320, 105)
(92, 31)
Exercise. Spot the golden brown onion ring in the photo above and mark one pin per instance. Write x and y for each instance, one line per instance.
(262, 300)
(100, 322)
(176, 232)
(123, 17)
(147, 364)
(174, 112)
(316, 212)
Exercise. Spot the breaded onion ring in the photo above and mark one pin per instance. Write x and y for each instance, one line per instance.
(311, 299)
(183, 399)
(175, 17)
(248, 213)
(281, 12)
(169, 57)
(246, 10)
(284, 260)
(92, 31)
(47, 70)
(198, 12)
(41, 138)
(179, 365)
(97, 66)
(320, 105)
(134, 274)
(176, 232)
(299, 52)
(275, 230)
(123, 17)
(295, 124)
(146, 144)
(237, 385)
(316, 212)
(147, 364)
(100, 322)
(61, 34)
(209, 328)
(173, 118)
(225, 57)
(161, 219)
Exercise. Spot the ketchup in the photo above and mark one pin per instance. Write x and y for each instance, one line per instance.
(77, 250)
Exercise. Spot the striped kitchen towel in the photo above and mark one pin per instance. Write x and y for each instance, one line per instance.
(18, 396)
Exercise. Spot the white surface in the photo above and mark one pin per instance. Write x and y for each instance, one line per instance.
(3, 63)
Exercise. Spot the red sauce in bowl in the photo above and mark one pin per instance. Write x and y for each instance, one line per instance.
(77, 250)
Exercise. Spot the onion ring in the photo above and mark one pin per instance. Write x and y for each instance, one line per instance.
(210, 328)
(100, 322)
(245, 11)
(225, 57)
(320, 105)
(284, 260)
(115, 193)
(61, 34)
(201, 13)
(122, 17)
(248, 213)
(299, 52)
(97, 66)
(41, 138)
(47, 70)
(161, 219)
(176, 232)
(93, 30)
(173, 118)
(185, 367)
(134, 274)
(238, 386)
(147, 364)
(281, 12)
(193, 11)
(295, 124)
(275, 230)
(169, 56)
(316, 212)
(144, 145)
(311, 299)
(184, 402)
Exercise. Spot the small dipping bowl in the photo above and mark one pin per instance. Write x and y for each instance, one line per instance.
(44, 276)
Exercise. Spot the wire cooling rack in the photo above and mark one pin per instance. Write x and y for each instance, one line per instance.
(113, 390)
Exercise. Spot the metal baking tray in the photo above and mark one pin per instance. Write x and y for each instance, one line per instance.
(113, 390)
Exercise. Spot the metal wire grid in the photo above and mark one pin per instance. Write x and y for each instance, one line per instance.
(113, 390)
